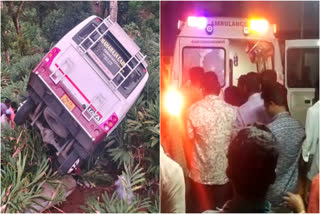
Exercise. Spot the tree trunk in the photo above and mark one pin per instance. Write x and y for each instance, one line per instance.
(114, 10)
(15, 15)
(5, 47)
(7, 57)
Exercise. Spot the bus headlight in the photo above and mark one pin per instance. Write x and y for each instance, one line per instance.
(173, 102)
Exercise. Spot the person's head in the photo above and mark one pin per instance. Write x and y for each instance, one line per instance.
(8, 112)
(233, 96)
(196, 76)
(274, 96)
(241, 82)
(7, 102)
(268, 76)
(14, 105)
(252, 83)
(211, 84)
(252, 160)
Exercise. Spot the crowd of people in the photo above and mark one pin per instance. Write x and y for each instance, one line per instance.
(244, 152)
(8, 109)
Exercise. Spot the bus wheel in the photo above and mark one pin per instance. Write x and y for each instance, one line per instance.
(55, 123)
(70, 163)
(23, 111)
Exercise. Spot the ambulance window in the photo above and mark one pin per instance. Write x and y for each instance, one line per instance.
(302, 67)
(210, 59)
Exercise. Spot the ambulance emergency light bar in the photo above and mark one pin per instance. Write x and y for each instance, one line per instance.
(255, 26)
(258, 26)
(199, 22)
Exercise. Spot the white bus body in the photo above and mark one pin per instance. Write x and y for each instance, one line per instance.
(85, 86)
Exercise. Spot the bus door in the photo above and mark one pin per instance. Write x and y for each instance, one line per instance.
(302, 73)
(210, 54)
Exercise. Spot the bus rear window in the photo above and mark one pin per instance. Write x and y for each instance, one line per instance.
(110, 56)
(132, 81)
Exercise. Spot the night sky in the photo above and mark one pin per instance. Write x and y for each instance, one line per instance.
(286, 14)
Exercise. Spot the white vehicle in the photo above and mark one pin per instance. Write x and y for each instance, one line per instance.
(302, 74)
(83, 88)
(230, 47)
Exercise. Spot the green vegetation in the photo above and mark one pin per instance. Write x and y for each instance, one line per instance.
(28, 31)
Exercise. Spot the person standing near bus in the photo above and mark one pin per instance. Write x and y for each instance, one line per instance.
(5, 106)
(289, 135)
(210, 123)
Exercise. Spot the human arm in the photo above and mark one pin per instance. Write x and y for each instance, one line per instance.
(295, 202)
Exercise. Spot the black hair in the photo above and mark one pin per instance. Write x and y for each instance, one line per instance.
(252, 160)
(252, 82)
(7, 101)
(241, 81)
(211, 84)
(233, 96)
(268, 75)
(14, 105)
(276, 93)
(196, 76)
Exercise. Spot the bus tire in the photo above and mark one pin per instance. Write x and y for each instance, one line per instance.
(55, 123)
(69, 162)
(23, 112)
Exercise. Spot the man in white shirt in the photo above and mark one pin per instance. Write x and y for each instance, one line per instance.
(253, 111)
(172, 185)
(310, 146)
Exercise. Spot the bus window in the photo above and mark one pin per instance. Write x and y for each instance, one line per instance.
(303, 67)
(210, 59)
(132, 81)
(84, 32)
(118, 79)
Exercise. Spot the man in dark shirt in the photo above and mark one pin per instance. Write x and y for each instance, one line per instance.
(289, 134)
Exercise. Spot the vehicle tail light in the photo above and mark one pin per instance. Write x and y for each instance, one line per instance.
(109, 123)
(199, 22)
(51, 55)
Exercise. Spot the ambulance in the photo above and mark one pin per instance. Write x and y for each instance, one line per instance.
(231, 47)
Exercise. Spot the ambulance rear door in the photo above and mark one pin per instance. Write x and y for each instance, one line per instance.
(211, 54)
(302, 73)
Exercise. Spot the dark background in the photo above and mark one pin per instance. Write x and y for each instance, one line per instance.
(294, 19)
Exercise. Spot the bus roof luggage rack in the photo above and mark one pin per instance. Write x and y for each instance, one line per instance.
(81, 47)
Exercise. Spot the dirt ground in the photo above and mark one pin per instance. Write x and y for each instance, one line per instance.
(76, 199)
